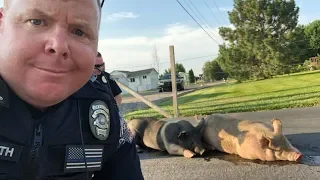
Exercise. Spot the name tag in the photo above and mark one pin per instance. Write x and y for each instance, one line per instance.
(79, 159)
(10, 152)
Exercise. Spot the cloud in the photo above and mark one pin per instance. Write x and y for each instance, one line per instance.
(119, 16)
(225, 9)
(134, 53)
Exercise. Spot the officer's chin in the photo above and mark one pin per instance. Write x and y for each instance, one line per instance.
(45, 98)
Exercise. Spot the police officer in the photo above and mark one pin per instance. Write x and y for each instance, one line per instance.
(105, 78)
(55, 123)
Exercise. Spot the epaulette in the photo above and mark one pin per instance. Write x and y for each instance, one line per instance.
(4, 94)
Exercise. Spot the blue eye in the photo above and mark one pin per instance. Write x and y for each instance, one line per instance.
(78, 32)
(36, 22)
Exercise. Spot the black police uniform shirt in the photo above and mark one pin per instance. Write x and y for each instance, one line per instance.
(58, 143)
(113, 85)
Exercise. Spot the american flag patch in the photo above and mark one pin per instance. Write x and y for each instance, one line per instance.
(76, 158)
(126, 136)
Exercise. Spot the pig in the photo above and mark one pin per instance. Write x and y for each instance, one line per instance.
(177, 137)
(248, 139)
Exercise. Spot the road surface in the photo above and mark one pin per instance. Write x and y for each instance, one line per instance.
(156, 95)
(301, 126)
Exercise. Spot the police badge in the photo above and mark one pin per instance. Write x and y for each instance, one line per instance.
(99, 120)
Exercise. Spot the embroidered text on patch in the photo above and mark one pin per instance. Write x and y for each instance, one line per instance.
(10, 152)
(76, 158)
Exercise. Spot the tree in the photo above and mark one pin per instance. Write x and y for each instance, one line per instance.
(257, 46)
(213, 72)
(207, 71)
(155, 58)
(299, 45)
(192, 78)
(218, 73)
(179, 68)
(312, 32)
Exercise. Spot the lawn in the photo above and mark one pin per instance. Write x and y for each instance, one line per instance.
(289, 91)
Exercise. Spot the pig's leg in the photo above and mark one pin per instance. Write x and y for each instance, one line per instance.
(175, 149)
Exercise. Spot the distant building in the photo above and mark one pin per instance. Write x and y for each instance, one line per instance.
(314, 62)
(185, 77)
(142, 80)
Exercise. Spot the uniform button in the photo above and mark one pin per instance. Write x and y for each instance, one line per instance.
(1, 98)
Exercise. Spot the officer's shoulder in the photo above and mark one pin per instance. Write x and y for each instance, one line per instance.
(91, 90)
(4, 93)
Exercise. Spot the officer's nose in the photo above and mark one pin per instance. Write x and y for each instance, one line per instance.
(58, 44)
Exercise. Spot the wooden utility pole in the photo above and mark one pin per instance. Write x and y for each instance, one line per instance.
(174, 82)
(140, 97)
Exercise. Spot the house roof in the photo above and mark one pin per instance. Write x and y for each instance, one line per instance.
(126, 72)
(136, 73)
(140, 72)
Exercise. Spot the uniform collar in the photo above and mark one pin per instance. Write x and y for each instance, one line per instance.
(4, 94)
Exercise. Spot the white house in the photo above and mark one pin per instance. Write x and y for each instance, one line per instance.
(185, 77)
(138, 81)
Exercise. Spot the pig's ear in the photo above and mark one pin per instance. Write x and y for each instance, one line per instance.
(196, 117)
(277, 125)
(266, 141)
(183, 134)
(200, 125)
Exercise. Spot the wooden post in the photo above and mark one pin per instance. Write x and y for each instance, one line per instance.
(174, 82)
(140, 97)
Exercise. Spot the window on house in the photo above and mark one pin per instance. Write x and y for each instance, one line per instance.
(132, 80)
(144, 77)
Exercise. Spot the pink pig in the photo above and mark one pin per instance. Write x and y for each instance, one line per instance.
(248, 139)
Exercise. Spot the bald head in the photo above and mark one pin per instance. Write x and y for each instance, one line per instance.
(7, 3)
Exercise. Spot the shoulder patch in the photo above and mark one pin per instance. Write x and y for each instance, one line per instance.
(99, 119)
(126, 136)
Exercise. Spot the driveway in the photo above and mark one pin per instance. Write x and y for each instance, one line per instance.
(300, 125)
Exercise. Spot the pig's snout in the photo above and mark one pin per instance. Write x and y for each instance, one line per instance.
(294, 156)
(199, 150)
(298, 157)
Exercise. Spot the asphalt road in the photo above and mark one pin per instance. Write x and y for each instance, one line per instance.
(301, 126)
(156, 95)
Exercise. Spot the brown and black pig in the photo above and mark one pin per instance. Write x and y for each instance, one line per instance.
(177, 137)
(248, 139)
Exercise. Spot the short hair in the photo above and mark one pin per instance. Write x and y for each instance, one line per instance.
(99, 54)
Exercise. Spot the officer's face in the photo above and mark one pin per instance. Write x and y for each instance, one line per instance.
(100, 64)
(48, 47)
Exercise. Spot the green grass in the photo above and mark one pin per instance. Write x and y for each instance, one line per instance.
(289, 91)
